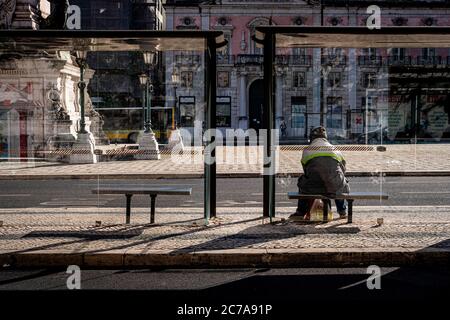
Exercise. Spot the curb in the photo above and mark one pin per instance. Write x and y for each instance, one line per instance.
(232, 258)
(219, 175)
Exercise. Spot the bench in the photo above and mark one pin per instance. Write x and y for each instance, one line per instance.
(153, 191)
(350, 197)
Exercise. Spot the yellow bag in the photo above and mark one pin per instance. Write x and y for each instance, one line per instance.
(316, 212)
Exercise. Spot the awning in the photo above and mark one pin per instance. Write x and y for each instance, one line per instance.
(357, 37)
(124, 40)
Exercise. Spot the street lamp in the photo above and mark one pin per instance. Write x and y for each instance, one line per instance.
(81, 61)
(148, 146)
(175, 82)
(143, 80)
(149, 57)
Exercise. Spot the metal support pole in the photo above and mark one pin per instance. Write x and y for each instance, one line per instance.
(269, 125)
(128, 212)
(144, 99)
(149, 108)
(82, 87)
(146, 108)
(322, 102)
(210, 166)
(152, 207)
(176, 116)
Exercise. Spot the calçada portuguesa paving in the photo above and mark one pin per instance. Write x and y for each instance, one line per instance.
(97, 237)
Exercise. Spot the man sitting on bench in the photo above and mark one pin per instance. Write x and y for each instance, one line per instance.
(324, 174)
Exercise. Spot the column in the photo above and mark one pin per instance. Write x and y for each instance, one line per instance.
(26, 15)
(243, 118)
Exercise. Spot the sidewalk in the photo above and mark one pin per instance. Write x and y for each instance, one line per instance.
(238, 237)
(396, 160)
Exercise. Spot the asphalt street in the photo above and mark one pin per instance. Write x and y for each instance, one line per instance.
(225, 286)
(403, 191)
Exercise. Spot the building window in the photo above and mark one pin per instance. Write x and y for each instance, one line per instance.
(369, 52)
(298, 111)
(334, 112)
(428, 53)
(187, 79)
(299, 79)
(223, 115)
(370, 80)
(334, 53)
(334, 79)
(223, 79)
(398, 54)
(187, 111)
(299, 52)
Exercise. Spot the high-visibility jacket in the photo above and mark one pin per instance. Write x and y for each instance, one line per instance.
(324, 169)
(320, 147)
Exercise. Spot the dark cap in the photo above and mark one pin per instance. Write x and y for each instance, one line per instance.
(318, 132)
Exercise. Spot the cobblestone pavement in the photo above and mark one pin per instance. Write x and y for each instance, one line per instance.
(73, 230)
(246, 160)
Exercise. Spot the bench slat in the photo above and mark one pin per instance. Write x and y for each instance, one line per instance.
(143, 190)
(351, 195)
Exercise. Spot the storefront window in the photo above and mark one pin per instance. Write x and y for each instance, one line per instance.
(187, 111)
(334, 112)
(223, 112)
(298, 112)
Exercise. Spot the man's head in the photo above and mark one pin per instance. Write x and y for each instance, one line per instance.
(318, 132)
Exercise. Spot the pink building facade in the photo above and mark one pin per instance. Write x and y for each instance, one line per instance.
(356, 94)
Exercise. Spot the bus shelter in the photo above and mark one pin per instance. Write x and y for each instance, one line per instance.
(272, 38)
(43, 45)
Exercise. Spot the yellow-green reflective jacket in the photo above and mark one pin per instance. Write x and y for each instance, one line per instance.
(321, 148)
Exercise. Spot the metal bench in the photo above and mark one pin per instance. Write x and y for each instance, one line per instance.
(350, 197)
(153, 191)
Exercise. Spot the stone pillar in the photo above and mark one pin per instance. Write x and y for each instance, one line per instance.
(243, 118)
(83, 149)
(26, 15)
(148, 147)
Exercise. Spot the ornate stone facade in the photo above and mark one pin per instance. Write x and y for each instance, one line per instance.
(39, 98)
(356, 80)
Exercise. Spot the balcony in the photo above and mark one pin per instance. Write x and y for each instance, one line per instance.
(430, 60)
(399, 60)
(334, 60)
(225, 59)
(374, 61)
(187, 59)
(296, 60)
(250, 59)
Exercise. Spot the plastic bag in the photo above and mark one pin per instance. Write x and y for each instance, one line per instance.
(316, 211)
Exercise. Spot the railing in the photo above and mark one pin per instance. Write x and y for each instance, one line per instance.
(225, 59)
(297, 60)
(334, 60)
(370, 60)
(187, 59)
(253, 59)
(256, 59)
(398, 60)
(430, 60)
